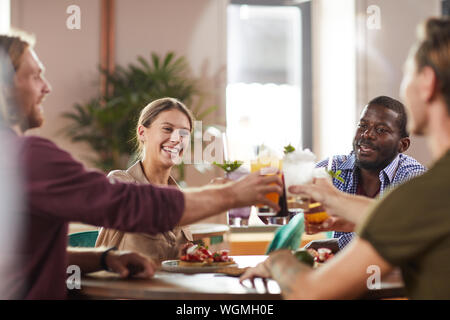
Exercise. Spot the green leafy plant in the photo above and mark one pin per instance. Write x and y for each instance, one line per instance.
(288, 149)
(229, 166)
(107, 122)
(336, 175)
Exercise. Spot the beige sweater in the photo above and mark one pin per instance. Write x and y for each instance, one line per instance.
(159, 247)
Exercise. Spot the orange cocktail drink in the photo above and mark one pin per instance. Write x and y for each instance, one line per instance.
(315, 213)
(268, 167)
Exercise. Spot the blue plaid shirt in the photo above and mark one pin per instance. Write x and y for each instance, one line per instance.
(401, 169)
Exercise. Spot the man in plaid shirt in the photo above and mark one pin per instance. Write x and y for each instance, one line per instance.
(376, 163)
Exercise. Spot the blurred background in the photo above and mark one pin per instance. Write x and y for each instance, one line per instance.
(263, 71)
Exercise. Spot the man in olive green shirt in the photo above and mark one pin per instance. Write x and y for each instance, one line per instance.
(410, 227)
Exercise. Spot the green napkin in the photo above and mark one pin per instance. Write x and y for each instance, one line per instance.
(288, 236)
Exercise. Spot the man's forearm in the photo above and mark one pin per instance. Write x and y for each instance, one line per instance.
(87, 259)
(204, 202)
(351, 207)
(291, 276)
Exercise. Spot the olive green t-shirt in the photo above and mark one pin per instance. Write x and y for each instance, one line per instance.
(410, 228)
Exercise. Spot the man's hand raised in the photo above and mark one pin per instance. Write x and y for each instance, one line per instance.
(251, 190)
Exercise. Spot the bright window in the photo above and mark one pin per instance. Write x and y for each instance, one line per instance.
(5, 16)
(264, 96)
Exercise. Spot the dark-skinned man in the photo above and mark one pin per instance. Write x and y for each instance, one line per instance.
(409, 227)
(376, 163)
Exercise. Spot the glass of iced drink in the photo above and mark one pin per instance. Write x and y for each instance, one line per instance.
(298, 169)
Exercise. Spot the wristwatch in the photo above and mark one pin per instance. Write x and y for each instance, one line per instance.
(103, 258)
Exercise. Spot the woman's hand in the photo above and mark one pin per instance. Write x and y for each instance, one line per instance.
(130, 264)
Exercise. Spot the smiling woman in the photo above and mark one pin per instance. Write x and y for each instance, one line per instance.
(162, 135)
(168, 121)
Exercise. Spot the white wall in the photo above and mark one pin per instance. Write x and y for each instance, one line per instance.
(5, 15)
(385, 51)
(194, 28)
(379, 55)
(334, 73)
(71, 58)
(197, 29)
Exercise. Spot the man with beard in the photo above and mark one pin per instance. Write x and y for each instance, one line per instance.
(59, 189)
(376, 163)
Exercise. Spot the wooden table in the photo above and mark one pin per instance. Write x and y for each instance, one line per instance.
(205, 286)
(178, 286)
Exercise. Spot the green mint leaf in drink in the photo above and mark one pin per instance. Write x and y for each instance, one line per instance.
(229, 166)
(336, 175)
(288, 149)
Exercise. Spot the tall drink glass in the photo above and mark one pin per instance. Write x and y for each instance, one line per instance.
(298, 169)
(268, 163)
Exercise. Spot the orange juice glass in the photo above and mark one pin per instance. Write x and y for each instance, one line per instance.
(315, 213)
(260, 165)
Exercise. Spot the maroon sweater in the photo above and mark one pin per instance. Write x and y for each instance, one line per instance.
(59, 190)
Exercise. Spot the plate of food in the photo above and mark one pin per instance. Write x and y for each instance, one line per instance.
(312, 257)
(198, 259)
